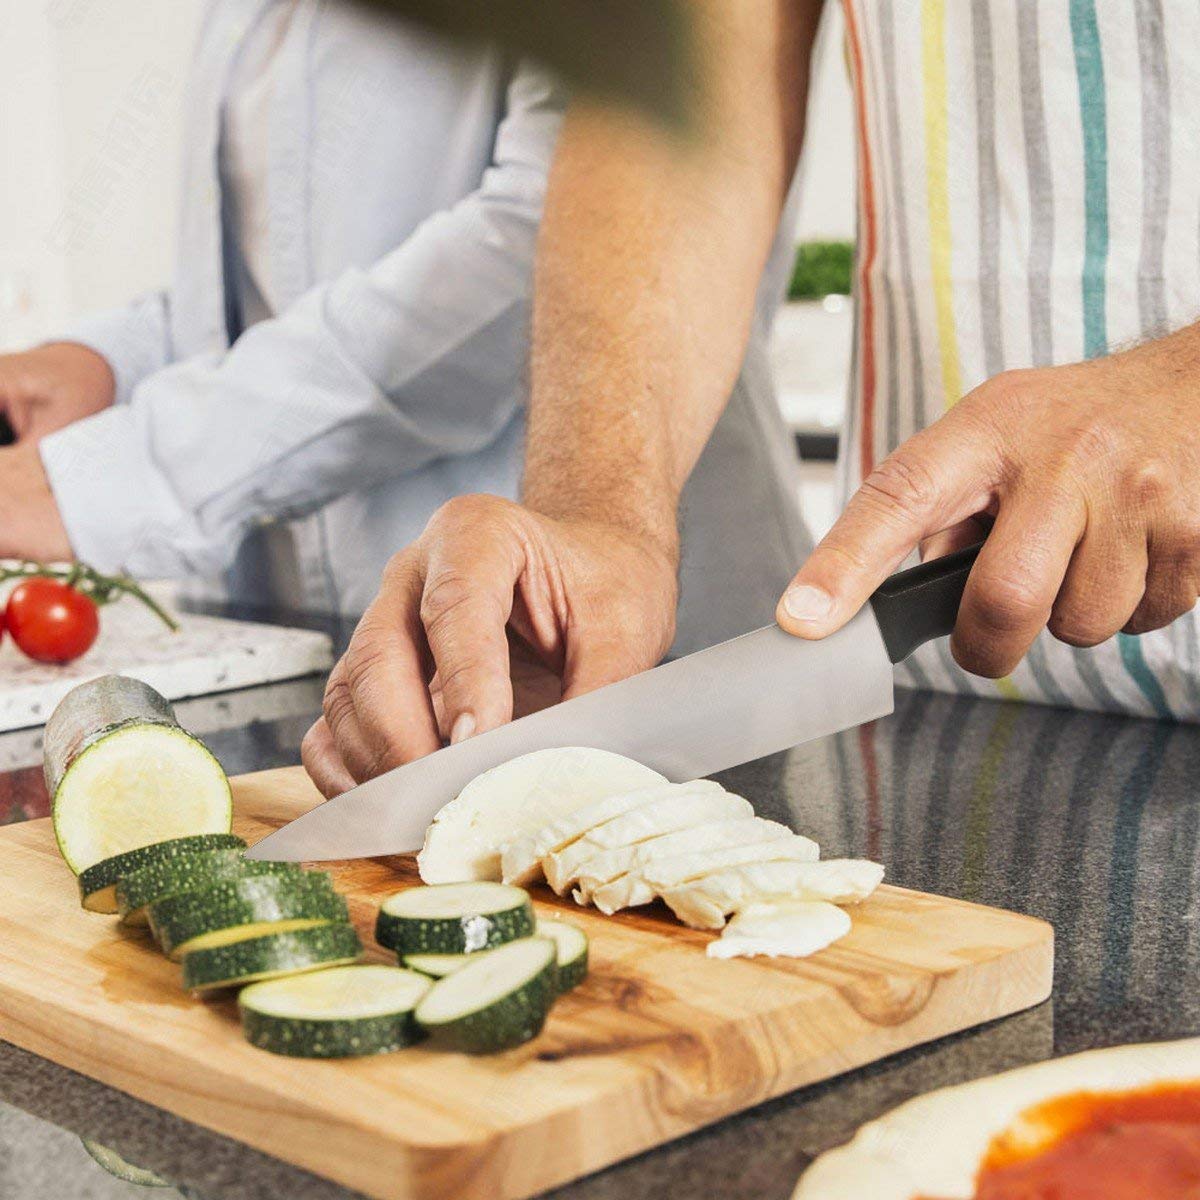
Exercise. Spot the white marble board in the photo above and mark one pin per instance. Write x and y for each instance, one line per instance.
(208, 654)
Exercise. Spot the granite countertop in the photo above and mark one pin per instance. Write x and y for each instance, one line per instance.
(1089, 821)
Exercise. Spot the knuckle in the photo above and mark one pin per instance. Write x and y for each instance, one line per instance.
(1082, 629)
(1089, 443)
(1007, 602)
(443, 598)
(902, 482)
(464, 511)
(1146, 484)
(1010, 389)
(338, 704)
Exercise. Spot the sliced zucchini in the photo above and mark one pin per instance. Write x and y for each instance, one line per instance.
(498, 1000)
(233, 910)
(453, 918)
(570, 942)
(572, 946)
(271, 955)
(436, 966)
(98, 883)
(122, 774)
(187, 873)
(341, 1012)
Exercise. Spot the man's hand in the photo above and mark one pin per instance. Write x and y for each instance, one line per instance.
(1089, 478)
(494, 612)
(30, 526)
(43, 389)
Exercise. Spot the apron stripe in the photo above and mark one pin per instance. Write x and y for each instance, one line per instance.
(933, 47)
(866, 343)
(1089, 73)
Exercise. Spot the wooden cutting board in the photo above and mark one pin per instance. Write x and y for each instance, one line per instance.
(659, 1040)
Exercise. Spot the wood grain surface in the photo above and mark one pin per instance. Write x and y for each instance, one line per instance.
(659, 1039)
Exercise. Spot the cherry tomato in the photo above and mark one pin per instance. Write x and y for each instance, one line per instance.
(51, 621)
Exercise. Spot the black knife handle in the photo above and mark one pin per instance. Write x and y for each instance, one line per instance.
(915, 606)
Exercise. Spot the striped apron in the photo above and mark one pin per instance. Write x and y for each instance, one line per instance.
(1029, 194)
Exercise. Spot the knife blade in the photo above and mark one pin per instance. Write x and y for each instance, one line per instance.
(740, 700)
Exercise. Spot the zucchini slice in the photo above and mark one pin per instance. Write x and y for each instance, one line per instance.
(122, 774)
(98, 883)
(436, 966)
(233, 910)
(498, 1000)
(453, 918)
(570, 942)
(341, 1012)
(572, 946)
(271, 955)
(187, 873)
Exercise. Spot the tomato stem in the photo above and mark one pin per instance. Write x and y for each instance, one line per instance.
(100, 589)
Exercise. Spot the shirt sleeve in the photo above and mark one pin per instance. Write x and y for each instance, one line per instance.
(372, 374)
(135, 339)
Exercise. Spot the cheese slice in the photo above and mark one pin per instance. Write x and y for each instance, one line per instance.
(521, 857)
(671, 871)
(626, 891)
(667, 815)
(704, 903)
(791, 928)
(463, 841)
(649, 867)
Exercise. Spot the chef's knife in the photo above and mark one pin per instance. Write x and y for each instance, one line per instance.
(737, 701)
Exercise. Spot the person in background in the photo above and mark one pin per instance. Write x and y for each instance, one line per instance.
(1027, 367)
(344, 345)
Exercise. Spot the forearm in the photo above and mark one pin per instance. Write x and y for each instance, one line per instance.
(647, 273)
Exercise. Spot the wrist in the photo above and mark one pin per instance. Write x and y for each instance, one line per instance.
(30, 523)
(652, 526)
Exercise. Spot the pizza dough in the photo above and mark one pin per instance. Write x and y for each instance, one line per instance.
(933, 1145)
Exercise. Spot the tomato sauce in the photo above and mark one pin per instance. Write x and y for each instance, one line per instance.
(1135, 1145)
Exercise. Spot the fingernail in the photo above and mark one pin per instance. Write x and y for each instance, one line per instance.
(807, 603)
(463, 728)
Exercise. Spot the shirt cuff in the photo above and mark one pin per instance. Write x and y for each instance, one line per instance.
(130, 339)
(120, 514)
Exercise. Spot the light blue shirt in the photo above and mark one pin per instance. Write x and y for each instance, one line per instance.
(405, 185)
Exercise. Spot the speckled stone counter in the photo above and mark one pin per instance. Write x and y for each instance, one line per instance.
(1091, 822)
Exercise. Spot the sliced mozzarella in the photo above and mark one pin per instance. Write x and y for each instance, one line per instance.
(521, 857)
(704, 903)
(516, 798)
(792, 928)
(673, 812)
(934, 1145)
(662, 873)
(626, 891)
(654, 867)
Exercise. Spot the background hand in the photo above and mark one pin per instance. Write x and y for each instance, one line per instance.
(51, 386)
(494, 612)
(1089, 477)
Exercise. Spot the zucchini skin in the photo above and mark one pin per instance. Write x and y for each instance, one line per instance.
(453, 935)
(187, 873)
(111, 871)
(92, 711)
(572, 974)
(271, 955)
(510, 1021)
(329, 1039)
(175, 920)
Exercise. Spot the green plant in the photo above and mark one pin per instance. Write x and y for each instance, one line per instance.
(822, 269)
